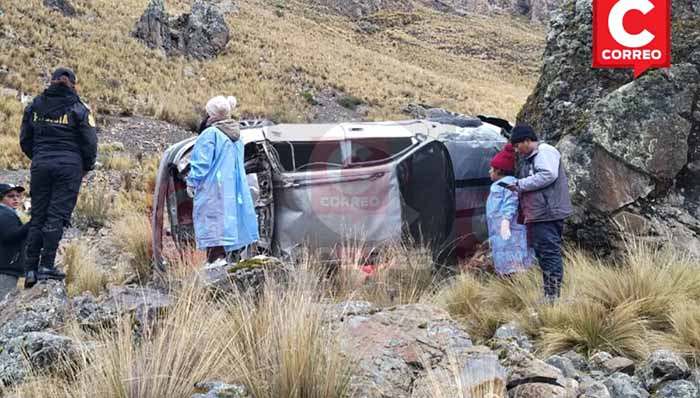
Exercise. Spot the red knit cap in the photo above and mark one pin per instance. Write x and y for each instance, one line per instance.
(504, 160)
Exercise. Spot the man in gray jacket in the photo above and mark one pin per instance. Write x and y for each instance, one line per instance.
(544, 201)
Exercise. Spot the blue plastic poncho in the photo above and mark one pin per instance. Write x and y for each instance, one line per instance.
(224, 214)
(510, 255)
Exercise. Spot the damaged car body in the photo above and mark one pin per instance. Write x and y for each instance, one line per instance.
(322, 186)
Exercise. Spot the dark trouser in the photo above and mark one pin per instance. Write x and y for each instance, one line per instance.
(54, 190)
(546, 240)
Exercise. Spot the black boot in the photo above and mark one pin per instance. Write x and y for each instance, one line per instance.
(44, 273)
(47, 269)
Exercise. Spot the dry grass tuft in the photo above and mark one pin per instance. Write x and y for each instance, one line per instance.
(589, 326)
(133, 234)
(285, 343)
(94, 206)
(82, 273)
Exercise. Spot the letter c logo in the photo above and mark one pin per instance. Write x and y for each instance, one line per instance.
(617, 29)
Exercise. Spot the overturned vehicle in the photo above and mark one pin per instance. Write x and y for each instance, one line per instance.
(322, 186)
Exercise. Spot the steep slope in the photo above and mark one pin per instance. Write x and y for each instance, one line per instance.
(281, 55)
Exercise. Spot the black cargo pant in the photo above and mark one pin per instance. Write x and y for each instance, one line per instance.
(546, 238)
(54, 191)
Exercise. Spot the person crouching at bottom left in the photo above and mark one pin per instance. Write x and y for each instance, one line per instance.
(12, 238)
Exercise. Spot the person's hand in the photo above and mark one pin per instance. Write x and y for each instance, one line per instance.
(505, 229)
(512, 187)
(190, 191)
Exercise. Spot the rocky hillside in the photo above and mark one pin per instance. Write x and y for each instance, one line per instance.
(535, 10)
(286, 60)
(632, 146)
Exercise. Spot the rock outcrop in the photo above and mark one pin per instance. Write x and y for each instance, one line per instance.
(202, 33)
(631, 146)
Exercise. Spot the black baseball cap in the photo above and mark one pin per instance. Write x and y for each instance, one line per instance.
(59, 72)
(5, 188)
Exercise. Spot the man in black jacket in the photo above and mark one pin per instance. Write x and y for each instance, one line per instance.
(59, 135)
(12, 236)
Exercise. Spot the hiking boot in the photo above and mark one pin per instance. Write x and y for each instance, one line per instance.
(30, 279)
(44, 273)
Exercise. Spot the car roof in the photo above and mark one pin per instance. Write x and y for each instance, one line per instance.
(343, 131)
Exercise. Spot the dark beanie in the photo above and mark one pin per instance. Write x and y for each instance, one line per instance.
(60, 72)
(521, 132)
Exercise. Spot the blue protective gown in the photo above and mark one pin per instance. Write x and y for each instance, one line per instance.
(224, 213)
(510, 255)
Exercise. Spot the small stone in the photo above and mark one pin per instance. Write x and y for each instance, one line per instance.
(678, 389)
(621, 385)
(619, 364)
(596, 390)
(563, 364)
(598, 359)
(578, 360)
(513, 332)
(215, 389)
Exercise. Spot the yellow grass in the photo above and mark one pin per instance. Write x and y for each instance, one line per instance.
(94, 206)
(133, 234)
(82, 272)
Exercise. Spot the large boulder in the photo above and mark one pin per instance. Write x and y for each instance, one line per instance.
(394, 347)
(38, 352)
(202, 33)
(630, 146)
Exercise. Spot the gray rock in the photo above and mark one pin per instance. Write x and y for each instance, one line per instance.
(141, 303)
(37, 352)
(577, 360)
(62, 6)
(247, 276)
(621, 385)
(598, 360)
(202, 33)
(215, 389)
(596, 390)
(393, 347)
(678, 389)
(513, 332)
(564, 365)
(43, 307)
(661, 366)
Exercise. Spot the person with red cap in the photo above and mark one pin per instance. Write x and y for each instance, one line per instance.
(507, 237)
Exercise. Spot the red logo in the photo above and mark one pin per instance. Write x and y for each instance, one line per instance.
(632, 34)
